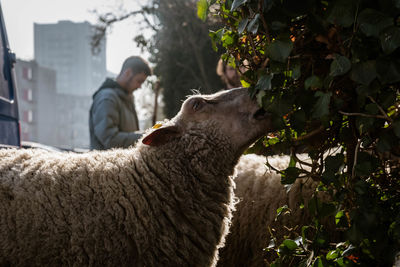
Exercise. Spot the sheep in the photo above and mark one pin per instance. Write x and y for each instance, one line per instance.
(396, 262)
(165, 202)
(260, 193)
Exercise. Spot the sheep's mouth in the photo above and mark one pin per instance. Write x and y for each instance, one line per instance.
(260, 114)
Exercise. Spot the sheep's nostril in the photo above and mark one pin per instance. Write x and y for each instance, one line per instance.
(260, 114)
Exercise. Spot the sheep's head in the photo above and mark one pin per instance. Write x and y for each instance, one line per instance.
(231, 113)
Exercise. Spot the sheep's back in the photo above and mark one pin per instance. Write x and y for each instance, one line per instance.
(260, 193)
(97, 207)
(53, 201)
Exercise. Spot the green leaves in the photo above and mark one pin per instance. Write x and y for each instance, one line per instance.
(279, 50)
(333, 66)
(290, 244)
(321, 209)
(321, 107)
(366, 164)
(386, 141)
(342, 13)
(253, 25)
(242, 25)
(313, 82)
(364, 72)
(373, 22)
(228, 38)
(298, 120)
(340, 218)
(388, 70)
(333, 163)
(340, 65)
(333, 254)
(237, 3)
(396, 128)
(390, 39)
(290, 175)
(376, 24)
(332, 166)
(288, 247)
(264, 83)
(282, 210)
(327, 209)
(215, 38)
(202, 9)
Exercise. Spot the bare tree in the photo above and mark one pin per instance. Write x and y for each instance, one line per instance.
(180, 48)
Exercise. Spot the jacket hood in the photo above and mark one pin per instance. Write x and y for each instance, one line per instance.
(110, 83)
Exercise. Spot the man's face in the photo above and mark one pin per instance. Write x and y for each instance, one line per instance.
(136, 81)
(232, 76)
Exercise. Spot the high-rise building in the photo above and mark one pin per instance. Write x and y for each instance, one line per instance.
(36, 97)
(49, 117)
(65, 47)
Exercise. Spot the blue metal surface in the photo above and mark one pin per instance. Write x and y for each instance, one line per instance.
(9, 133)
(9, 117)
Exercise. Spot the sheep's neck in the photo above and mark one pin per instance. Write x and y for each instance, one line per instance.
(194, 194)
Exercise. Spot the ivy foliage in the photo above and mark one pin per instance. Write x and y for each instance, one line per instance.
(329, 72)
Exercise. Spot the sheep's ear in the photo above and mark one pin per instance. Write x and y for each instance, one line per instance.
(161, 136)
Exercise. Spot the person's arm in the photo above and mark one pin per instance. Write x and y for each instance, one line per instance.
(105, 117)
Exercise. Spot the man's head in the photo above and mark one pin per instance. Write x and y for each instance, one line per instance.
(133, 73)
(229, 75)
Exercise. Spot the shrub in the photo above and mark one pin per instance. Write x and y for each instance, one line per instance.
(330, 73)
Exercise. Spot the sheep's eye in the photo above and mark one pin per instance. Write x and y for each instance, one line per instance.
(198, 104)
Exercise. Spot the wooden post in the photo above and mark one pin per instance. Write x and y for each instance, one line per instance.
(156, 93)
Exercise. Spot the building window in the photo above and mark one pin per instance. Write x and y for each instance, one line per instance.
(27, 116)
(27, 95)
(27, 73)
(25, 134)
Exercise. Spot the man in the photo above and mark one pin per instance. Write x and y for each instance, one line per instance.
(229, 75)
(113, 120)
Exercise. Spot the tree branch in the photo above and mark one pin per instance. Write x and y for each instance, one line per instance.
(353, 171)
(310, 134)
(264, 22)
(364, 115)
(381, 109)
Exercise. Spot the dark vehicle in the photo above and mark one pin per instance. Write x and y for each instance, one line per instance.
(9, 117)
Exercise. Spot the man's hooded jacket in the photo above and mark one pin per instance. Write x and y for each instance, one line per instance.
(112, 119)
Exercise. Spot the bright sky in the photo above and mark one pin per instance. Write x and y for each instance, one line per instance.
(19, 16)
